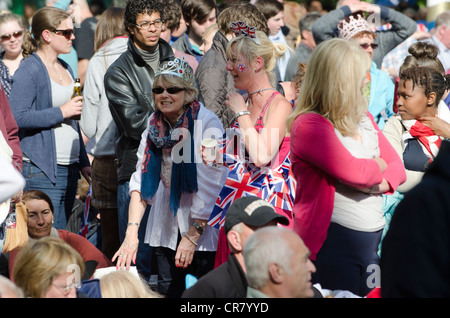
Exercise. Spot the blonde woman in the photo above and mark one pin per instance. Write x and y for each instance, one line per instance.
(125, 284)
(48, 268)
(342, 164)
(261, 162)
(12, 30)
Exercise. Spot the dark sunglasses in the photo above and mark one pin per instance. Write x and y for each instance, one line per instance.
(65, 33)
(171, 90)
(365, 46)
(6, 37)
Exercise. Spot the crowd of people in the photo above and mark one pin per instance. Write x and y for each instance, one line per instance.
(241, 149)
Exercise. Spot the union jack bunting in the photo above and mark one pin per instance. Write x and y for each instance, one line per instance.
(275, 185)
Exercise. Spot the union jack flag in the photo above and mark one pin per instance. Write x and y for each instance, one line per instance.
(239, 27)
(275, 185)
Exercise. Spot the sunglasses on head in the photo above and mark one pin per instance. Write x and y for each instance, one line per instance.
(6, 37)
(365, 46)
(171, 90)
(65, 33)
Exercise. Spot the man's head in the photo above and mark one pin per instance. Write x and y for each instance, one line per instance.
(198, 16)
(442, 26)
(305, 26)
(144, 22)
(171, 16)
(278, 264)
(273, 11)
(244, 12)
(244, 216)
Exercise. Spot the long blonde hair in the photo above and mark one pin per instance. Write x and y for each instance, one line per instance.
(332, 86)
(269, 51)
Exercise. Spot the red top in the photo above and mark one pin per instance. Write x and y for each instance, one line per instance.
(318, 158)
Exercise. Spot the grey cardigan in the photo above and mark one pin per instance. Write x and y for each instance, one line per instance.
(325, 28)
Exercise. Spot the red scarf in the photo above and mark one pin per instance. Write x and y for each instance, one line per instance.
(421, 132)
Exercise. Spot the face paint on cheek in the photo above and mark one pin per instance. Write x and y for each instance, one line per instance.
(241, 67)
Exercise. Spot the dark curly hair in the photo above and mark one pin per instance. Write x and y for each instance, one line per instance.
(134, 7)
(429, 78)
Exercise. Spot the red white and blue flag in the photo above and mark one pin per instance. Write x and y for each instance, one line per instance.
(276, 185)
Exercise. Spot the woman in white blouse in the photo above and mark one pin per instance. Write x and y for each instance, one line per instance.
(171, 176)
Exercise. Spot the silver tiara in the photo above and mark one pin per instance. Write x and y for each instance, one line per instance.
(178, 67)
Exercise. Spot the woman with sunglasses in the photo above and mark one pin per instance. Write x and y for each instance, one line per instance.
(171, 177)
(11, 39)
(51, 142)
(379, 88)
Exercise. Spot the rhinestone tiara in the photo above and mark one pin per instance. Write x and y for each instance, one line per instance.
(178, 67)
(349, 29)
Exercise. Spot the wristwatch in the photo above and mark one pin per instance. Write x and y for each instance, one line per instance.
(198, 227)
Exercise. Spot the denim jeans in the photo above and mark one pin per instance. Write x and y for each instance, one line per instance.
(62, 193)
(144, 254)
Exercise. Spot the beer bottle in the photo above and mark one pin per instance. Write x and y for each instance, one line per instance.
(76, 92)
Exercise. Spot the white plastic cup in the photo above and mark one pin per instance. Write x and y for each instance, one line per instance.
(209, 146)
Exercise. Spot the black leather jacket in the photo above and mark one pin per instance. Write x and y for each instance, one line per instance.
(128, 86)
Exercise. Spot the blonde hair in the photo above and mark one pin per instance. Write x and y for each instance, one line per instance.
(41, 261)
(123, 284)
(266, 49)
(332, 85)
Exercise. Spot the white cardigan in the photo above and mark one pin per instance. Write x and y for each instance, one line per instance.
(162, 226)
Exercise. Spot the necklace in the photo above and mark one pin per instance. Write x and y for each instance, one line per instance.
(53, 67)
(260, 90)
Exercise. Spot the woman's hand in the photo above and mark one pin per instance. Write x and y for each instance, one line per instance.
(128, 250)
(235, 102)
(73, 107)
(185, 251)
(381, 163)
(218, 162)
(438, 125)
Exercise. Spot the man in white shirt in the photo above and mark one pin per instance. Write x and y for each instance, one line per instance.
(441, 38)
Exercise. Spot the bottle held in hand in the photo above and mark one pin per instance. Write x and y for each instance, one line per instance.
(76, 92)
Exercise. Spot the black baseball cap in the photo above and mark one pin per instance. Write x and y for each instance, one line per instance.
(252, 211)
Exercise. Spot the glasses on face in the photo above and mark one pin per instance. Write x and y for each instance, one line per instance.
(365, 46)
(7, 36)
(171, 90)
(65, 33)
(146, 25)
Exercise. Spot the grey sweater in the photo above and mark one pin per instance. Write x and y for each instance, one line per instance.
(96, 120)
(325, 28)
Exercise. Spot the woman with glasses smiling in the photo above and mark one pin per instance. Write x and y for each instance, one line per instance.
(48, 268)
(171, 177)
(51, 142)
(11, 38)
